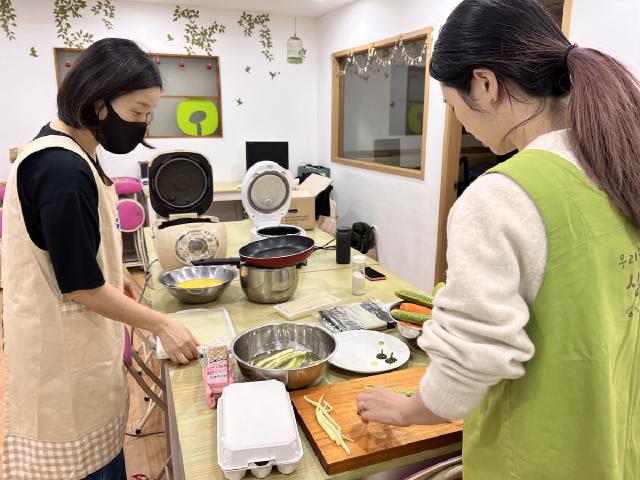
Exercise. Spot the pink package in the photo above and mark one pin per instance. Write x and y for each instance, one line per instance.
(217, 373)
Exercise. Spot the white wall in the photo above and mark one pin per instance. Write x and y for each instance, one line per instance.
(405, 211)
(282, 109)
(608, 26)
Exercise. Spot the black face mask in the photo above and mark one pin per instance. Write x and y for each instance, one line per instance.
(117, 135)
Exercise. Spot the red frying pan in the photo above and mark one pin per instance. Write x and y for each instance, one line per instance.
(273, 252)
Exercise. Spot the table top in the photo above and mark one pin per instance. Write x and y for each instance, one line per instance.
(227, 187)
(196, 422)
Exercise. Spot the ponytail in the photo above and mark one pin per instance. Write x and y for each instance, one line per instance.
(604, 115)
(522, 45)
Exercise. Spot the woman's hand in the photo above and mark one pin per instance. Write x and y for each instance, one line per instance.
(129, 289)
(384, 406)
(178, 341)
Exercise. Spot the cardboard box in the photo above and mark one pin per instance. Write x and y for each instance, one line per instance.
(314, 169)
(302, 211)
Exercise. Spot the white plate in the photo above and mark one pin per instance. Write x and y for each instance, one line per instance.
(357, 350)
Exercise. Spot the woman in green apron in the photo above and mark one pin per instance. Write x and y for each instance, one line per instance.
(535, 339)
(65, 300)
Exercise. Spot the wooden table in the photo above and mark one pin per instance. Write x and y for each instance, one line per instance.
(191, 424)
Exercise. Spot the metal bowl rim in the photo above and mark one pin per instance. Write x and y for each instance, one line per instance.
(163, 278)
(326, 359)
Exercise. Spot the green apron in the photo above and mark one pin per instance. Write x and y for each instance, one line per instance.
(575, 414)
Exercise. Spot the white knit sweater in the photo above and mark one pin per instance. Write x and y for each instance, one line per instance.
(496, 255)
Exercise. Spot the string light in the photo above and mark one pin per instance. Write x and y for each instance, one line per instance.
(373, 57)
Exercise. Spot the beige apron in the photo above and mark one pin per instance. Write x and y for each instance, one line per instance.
(66, 389)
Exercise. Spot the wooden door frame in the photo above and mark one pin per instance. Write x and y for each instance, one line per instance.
(450, 167)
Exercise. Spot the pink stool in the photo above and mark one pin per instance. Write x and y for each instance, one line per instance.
(131, 215)
(127, 185)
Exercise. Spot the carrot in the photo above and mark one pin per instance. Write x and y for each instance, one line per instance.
(412, 307)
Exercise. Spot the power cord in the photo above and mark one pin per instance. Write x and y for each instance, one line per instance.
(326, 247)
(147, 277)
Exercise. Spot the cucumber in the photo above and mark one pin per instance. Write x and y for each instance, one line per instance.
(275, 356)
(410, 317)
(437, 287)
(415, 297)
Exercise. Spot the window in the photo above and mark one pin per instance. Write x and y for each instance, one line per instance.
(379, 104)
(190, 105)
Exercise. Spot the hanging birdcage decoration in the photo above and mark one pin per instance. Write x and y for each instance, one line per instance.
(295, 47)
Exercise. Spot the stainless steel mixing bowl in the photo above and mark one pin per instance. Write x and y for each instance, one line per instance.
(279, 336)
(269, 285)
(197, 295)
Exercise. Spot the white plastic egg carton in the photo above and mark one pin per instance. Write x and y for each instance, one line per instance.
(257, 430)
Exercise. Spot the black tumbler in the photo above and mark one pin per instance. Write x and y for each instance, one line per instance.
(343, 245)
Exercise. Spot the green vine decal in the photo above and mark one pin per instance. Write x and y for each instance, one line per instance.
(8, 19)
(63, 11)
(170, 37)
(197, 36)
(108, 11)
(248, 23)
(33, 52)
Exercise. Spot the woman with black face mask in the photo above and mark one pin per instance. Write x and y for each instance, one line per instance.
(65, 299)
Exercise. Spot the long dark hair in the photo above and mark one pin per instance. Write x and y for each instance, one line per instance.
(523, 46)
(108, 69)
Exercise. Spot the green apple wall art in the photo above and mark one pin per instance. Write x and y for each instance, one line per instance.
(197, 117)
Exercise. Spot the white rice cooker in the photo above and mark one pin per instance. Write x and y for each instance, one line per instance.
(181, 191)
(266, 197)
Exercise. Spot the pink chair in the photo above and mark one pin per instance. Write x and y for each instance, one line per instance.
(127, 185)
(131, 215)
(128, 356)
(132, 219)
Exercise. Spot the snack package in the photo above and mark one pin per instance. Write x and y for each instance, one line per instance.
(217, 372)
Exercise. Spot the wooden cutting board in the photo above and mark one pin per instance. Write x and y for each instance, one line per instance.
(373, 442)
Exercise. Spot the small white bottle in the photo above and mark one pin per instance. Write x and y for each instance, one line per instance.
(357, 275)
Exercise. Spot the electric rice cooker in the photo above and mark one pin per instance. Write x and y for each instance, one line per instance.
(266, 197)
(181, 191)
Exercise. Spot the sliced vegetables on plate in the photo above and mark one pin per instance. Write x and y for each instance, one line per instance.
(410, 317)
(416, 308)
